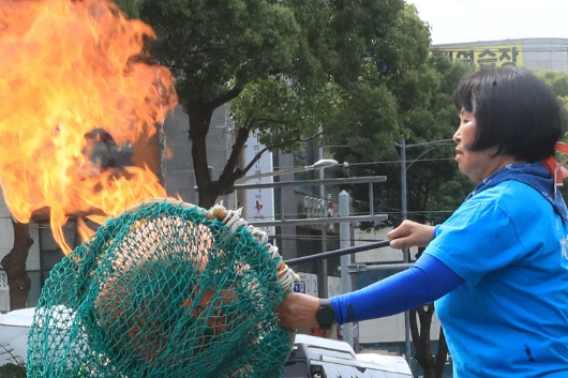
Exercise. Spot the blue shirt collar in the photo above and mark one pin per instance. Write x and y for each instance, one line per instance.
(532, 174)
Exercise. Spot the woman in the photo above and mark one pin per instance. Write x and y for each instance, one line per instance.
(497, 269)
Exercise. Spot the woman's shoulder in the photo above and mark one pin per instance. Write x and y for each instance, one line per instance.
(514, 198)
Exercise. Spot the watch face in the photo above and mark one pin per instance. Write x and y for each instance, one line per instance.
(325, 316)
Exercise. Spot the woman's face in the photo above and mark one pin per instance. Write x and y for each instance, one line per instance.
(476, 165)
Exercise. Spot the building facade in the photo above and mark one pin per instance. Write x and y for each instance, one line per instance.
(545, 54)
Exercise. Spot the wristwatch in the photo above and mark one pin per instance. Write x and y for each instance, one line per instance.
(325, 314)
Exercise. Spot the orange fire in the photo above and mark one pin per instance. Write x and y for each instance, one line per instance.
(73, 73)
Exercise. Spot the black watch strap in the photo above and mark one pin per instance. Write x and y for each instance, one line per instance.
(325, 314)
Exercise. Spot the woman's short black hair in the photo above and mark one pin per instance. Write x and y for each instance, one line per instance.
(515, 112)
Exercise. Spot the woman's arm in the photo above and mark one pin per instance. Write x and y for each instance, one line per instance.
(424, 282)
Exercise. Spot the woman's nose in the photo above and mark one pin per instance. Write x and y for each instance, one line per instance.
(457, 136)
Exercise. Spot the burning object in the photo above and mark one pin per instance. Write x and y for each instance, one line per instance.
(76, 77)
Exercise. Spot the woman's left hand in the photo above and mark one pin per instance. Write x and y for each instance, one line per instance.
(411, 234)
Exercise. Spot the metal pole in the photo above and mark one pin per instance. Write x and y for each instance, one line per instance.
(320, 221)
(322, 264)
(344, 235)
(403, 181)
(405, 251)
(371, 199)
(336, 181)
(362, 267)
(338, 252)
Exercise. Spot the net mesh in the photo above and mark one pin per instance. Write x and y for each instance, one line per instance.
(164, 291)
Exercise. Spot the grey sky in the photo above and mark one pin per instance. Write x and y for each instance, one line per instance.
(453, 21)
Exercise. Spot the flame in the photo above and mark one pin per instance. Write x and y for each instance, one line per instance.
(71, 71)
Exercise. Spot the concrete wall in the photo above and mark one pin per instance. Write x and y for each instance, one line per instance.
(546, 54)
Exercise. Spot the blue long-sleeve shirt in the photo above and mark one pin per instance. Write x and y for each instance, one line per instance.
(427, 280)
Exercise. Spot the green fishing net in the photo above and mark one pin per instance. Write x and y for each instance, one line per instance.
(165, 290)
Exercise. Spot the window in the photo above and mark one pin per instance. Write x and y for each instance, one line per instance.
(296, 369)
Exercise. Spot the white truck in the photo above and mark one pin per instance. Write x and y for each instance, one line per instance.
(316, 357)
(14, 328)
(311, 356)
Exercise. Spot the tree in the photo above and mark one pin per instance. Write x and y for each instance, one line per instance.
(558, 82)
(431, 172)
(15, 265)
(287, 67)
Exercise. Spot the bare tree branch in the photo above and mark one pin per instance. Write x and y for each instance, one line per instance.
(230, 171)
(281, 144)
(267, 120)
(231, 94)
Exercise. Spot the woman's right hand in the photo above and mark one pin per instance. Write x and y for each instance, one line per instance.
(298, 311)
(411, 234)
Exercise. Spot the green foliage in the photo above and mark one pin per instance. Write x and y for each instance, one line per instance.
(131, 7)
(281, 110)
(339, 88)
(435, 187)
(371, 84)
(210, 44)
(359, 71)
(449, 197)
(288, 66)
(12, 371)
(558, 82)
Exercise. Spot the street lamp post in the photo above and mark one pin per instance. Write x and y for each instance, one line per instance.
(320, 164)
(403, 167)
(406, 251)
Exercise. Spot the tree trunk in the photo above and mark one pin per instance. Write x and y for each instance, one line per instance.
(14, 264)
(441, 354)
(199, 121)
(433, 367)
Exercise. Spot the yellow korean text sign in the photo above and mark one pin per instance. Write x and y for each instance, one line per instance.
(487, 56)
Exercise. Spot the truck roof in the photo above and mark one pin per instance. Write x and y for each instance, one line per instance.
(323, 343)
(339, 352)
(396, 362)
